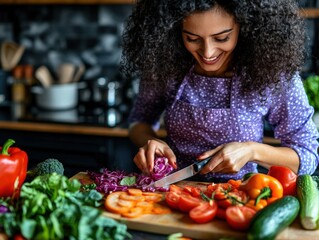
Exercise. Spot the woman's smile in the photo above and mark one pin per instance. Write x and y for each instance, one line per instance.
(211, 60)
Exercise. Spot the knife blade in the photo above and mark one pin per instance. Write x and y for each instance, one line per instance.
(182, 174)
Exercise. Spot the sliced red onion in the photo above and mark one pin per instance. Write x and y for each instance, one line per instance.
(109, 181)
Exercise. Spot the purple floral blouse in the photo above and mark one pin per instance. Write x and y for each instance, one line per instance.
(206, 111)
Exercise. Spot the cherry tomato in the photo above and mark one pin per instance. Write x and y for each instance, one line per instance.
(19, 237)
(286, 177)
(187, 202)
(175, 188)
(221, 213)
(239, 217)
(194, 191)
(172, 199)
(203, 213)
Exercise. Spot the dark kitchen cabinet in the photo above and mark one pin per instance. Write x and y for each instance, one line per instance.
(76, 152)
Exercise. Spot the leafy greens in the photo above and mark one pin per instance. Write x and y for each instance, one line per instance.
(53, 207)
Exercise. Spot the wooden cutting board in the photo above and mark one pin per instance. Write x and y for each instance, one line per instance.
(177, 222)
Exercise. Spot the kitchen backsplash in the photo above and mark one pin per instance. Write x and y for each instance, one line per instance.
(91, 35)
(76, 34)
(51, 34)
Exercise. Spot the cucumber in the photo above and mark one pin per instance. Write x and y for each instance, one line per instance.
(274, 218)
(308, 196)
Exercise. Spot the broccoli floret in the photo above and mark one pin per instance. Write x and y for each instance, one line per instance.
(48, 166)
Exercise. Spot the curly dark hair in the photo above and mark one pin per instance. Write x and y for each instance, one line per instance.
(271, 40)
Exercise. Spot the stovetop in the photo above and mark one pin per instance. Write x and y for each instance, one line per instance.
(83, 114)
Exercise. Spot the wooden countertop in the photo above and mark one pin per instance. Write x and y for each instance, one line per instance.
(64, 128)
(83, 129)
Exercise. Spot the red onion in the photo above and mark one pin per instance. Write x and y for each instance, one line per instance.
(109, 181)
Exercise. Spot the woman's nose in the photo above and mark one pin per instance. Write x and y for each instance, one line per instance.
(208, 49)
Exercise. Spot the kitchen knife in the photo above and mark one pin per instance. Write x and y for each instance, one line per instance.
(182, 174)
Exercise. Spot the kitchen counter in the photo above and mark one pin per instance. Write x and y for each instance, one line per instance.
(84, 129)
(152, 226)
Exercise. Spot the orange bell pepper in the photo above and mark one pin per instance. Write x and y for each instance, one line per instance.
(262, 186)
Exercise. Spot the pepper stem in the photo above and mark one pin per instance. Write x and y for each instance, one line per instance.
(6, 146)
(265, 193)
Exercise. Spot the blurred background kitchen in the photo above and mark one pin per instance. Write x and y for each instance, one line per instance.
(61, 92)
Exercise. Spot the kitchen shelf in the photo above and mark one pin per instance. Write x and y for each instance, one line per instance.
(309, 12)
(85, 130)
(79, 2)
(305, 12)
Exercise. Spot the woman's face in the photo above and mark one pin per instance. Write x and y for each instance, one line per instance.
(211, 37)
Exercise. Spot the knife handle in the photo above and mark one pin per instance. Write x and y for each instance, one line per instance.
(200, 164)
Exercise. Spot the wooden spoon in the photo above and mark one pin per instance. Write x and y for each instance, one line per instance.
(66, 72)
(78, 74)
(44, 76)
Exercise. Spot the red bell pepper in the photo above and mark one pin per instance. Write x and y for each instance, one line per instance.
(286, 177)
(13, 169)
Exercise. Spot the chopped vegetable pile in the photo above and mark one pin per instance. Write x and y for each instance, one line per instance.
(109, 181)
(134, 203)
(53, 207)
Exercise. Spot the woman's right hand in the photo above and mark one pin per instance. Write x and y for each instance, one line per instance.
(144, 159)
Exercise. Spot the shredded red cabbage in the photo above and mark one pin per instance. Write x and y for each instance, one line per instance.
(3, 209)
(109, 181)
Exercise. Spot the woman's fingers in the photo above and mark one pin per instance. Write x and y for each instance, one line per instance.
(212, 164)
(168, 153)
(144, 159)
(140, 161)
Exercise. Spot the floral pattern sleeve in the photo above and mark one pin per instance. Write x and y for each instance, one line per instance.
(148, 106)
(291, 118)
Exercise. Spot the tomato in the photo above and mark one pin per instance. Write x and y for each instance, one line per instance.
(226, 195)
(221, 213)
(175, 188)
(187, 202)
(17, 237)
(172, 199)
(235, 183)
(286, 177)
(203, 213)
(194, 191)
(239, 217)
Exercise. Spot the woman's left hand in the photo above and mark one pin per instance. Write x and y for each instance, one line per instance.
(227, 158)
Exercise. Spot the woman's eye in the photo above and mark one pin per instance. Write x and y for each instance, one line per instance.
(192, 39)
(222, 39)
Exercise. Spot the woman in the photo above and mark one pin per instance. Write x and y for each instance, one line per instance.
(218, 70)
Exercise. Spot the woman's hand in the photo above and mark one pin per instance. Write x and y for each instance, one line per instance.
(227, 158)
(144, 159)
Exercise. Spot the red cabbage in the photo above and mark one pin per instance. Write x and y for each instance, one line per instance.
(3, 209)
(109, 181)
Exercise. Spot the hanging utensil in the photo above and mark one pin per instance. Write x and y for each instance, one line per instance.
(11, 54)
